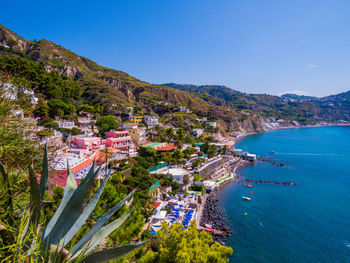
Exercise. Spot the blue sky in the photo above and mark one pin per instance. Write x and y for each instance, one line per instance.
(254, 46)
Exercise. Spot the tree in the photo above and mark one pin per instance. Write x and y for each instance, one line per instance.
(186, 179)
(177, 244)
(86, 108)
(212, 151)
(197, 177)
(169, 133)
(60, 108)
(106, 123)
(180, 135)
(41, 108)
(48, 123)
(177, 156)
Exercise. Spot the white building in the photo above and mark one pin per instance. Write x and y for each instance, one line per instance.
(65, 124)
(212, 124)
(177, 174)
(251, 156)
(151, 121)
(197, 132)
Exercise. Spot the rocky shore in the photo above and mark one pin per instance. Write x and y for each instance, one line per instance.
(212, 218)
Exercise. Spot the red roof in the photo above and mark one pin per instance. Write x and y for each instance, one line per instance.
(167, 148)
(81, 165)
(155, 204)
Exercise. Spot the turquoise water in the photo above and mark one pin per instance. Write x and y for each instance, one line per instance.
(309, 222)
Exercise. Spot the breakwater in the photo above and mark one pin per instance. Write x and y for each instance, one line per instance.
(244, 180)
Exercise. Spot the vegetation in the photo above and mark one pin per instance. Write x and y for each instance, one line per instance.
(105, 124)
(31, 243)
(176, 244)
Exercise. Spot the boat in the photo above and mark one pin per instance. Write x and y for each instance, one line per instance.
(246, 198)
(249, 186)
(272, 152)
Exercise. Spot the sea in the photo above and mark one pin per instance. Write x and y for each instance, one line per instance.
(308, 222)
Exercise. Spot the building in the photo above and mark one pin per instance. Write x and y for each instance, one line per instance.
(135, 119)
(115, 154)
(80, 166)
(250, 157)
(178, 174)
(18, 113)
(212, 124)
(88, 143)
(127, 126)
(151, 121)
(117, 134)
(138, 135)
(85, 125)
(65, 124)
(197, 132)
(123, 143)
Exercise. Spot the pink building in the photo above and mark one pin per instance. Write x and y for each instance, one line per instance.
(124, 142)
(88, 143)
(117, 134)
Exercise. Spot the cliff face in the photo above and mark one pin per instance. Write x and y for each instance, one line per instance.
(116, 89)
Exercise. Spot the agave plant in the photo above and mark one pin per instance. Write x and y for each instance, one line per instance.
(69, 217)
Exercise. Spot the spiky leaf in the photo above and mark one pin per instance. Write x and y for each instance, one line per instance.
(113, 253)
(44, 174)
(102, 234)
(85, 214)
(100, 223)
(71, 185)
(35, 202)
(72, 210)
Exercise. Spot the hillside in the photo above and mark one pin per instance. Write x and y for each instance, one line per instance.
(305, 109)
(69, 81)
(54, 72)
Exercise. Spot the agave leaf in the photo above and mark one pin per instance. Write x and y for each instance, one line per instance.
(72, 210)
(44, 174)
(102, 234)
(84, 215)
(100, 223)
(71, 185)
(113, 253)
(9, 204)
(35, 202)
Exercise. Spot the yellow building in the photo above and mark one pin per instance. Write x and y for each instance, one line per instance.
(135, 119)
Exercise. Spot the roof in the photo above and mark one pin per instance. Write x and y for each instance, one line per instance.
(177, 171)
(82, 165)
(167, 148)
(151, 144)
(155, 204)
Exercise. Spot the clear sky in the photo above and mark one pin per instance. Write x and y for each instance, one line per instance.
(255, 46)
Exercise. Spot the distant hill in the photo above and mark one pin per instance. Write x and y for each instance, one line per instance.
(299, 97)
(305, 109)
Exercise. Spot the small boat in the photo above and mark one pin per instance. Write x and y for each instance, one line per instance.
(246, 198)
(249, 186)
(272, 152)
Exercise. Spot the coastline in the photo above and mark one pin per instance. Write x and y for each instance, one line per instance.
(211, 197)
(242, 136)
